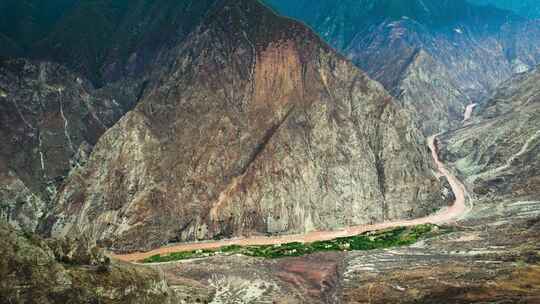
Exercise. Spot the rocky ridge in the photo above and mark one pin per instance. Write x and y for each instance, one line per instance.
(53, 112)
(490, 256)
(50, 119)
(434, 56)
(526, 8)
(256, 127)
(498, 152)
(36, 270)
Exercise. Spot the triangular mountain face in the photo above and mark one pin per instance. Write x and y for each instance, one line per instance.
(255, 127)
(472, 48)
(499, 152)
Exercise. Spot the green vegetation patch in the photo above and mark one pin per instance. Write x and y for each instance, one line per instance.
(401, 236)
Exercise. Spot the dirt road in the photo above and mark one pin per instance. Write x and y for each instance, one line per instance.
(444, 216)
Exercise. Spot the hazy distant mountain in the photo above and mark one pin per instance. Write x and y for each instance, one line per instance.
(526, 8)
(435, 56)
(104, 40)
(341, 21)
(26, 21)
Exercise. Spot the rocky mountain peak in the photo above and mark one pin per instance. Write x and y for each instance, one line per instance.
(255, 126)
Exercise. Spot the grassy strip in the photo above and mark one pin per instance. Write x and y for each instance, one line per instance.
(400, 236)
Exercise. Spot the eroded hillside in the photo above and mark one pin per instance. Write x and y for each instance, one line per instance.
(255, 127)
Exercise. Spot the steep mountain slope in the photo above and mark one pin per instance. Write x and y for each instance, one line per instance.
(35, 270)
(453, 50)
(49, 120)
(255, 127)
(526, 8)
(103, 40)
(52, 114)
(27, 21)
(107, 40)
(499, 152)
(491, 255)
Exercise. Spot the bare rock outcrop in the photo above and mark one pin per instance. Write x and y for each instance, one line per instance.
(49, 120)
(255, 127)
(433, 56)
(498, 152)
(36, 270)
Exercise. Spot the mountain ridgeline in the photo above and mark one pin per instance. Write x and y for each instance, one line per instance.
(499, 152)
(434, 56)
(525, 8)
(102, 40)
(231, 121)
(256, 126)
(86, 64)
(138, 126)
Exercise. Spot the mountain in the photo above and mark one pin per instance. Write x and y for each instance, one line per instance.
(434, 56)
(130, 125)
(526, 8)
(55, 107)
(255, 126)
(498, 153)
(121, 38)
(102, 40)
(339, 22)
(37, 270)
(50, 119)
(494, 244)
(26, 21)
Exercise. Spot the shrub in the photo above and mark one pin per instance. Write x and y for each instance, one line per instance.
(401, 236)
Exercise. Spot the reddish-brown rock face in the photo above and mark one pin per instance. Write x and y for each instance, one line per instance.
(255, 126)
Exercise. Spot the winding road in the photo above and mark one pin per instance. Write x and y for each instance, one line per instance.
(446, 215)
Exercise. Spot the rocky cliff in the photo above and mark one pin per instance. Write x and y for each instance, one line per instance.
(49, 120)
(435, 56)
(498, 152)
(255, 127)
(36, 270)
(53, 112)
(490, 255)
